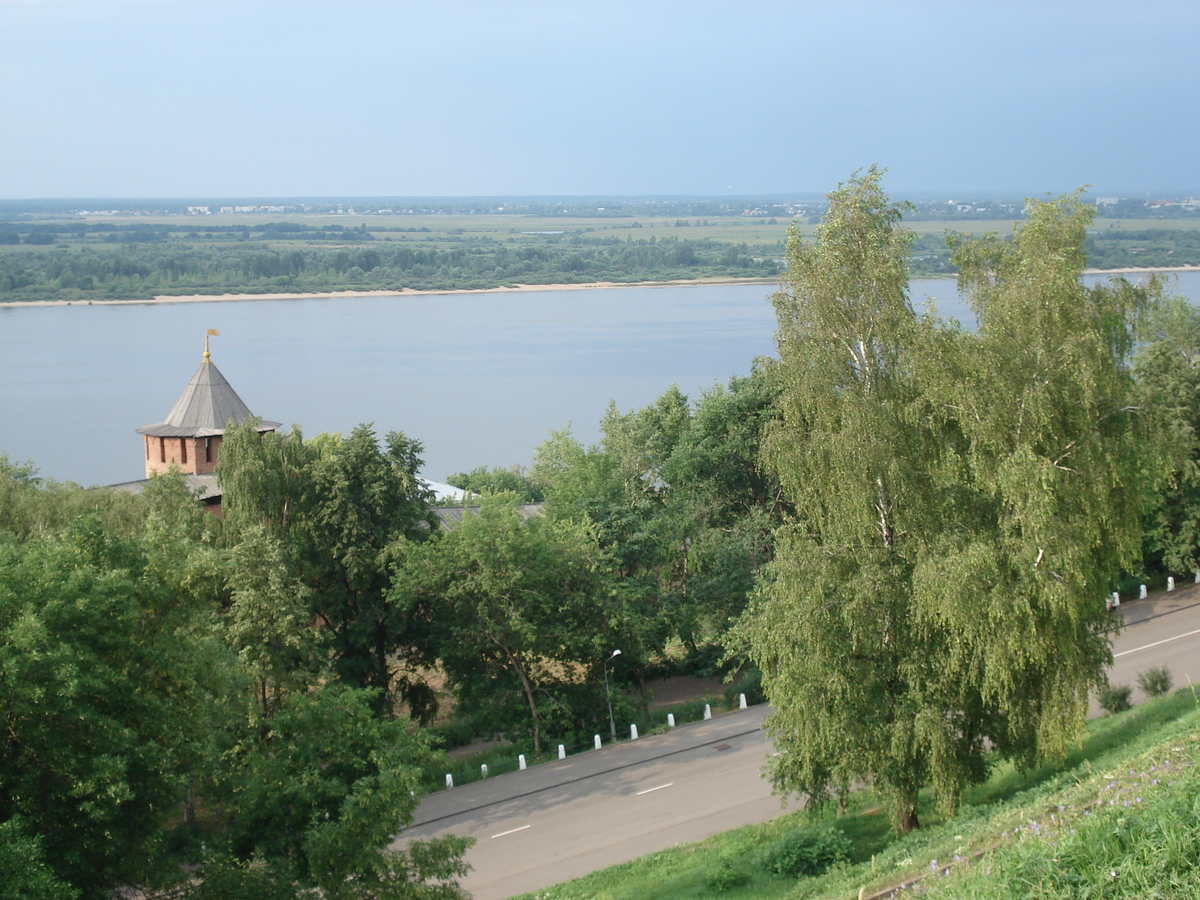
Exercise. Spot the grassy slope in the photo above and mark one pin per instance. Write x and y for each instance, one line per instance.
(1051, 832)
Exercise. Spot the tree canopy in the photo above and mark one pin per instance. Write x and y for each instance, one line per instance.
(962, 502)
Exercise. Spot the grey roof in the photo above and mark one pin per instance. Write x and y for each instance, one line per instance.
(205, 408)
(205, 487)
(451, 516)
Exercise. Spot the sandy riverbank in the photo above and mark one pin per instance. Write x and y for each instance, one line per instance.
(518, 289)
(330, 295)
(1138, 270)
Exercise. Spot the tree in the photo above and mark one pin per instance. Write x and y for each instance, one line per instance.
(844, 661)
(318, 800)
(525, 609)
(1168, 382)
(482, 480)
(106, 666)
(1061, 463)
(338, 506)
(726, 505)
(961, 502)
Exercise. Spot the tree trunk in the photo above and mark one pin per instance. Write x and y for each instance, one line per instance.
(528, 689)
(905, 811)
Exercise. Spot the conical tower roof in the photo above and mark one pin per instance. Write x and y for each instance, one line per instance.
(207, 406)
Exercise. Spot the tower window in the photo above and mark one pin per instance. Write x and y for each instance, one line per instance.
(183, 451)
(162, 449)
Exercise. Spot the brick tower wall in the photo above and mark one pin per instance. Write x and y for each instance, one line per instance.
(194, 456)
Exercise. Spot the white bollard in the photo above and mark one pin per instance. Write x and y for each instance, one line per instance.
(521, 762)
(1198, 576)
(1142, 595)
(741, 701)
(449, 780)
(707, 711)
(1116, 599)
(1170, 582)
(597, 742)
(562, 752)
(483, 769)
(633, 732)
(670, 720)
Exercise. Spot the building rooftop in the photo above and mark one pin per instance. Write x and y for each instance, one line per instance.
(207, 406)
(205, 487)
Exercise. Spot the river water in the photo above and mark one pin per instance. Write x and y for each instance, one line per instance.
(480, 379)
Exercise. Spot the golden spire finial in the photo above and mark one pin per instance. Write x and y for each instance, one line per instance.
(210, 331)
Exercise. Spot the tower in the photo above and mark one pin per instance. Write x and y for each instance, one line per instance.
(192, 432)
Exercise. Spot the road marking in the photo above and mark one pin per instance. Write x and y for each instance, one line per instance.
(659, 788)
(1155, 644)
(512, 831)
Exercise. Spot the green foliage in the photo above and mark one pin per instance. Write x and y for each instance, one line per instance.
(1168, 383)
(334, 511)
(677, 498)
(146, 261)
(1115, 698)
(24, 874)
(526, 612)
(724, 877)
(961, 501)
(326, 790)
(809, 851)
(129, 702)
(106, 662)
(482, 481)
(1155, 681)
(748, 682)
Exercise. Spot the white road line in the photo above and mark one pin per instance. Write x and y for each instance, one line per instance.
(1155, 644)
(653, 789)
(512, 831)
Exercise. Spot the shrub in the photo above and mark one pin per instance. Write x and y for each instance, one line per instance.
(1155, 681)
(1115, 698)
(808, 852)
(724, 877)
(748, 682)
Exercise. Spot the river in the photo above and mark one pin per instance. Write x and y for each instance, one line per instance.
(480, 379)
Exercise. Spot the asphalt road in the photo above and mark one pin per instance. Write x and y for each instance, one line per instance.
(564, 819)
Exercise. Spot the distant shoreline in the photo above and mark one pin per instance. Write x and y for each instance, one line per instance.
(404, 292)
(519, 289)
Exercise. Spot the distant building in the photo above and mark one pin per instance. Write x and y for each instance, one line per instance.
(189, 439)
(190, 436)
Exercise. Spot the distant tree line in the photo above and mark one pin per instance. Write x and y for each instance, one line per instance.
(142, 270)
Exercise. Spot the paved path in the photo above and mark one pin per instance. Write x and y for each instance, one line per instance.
(1163, 630)
(564, 819)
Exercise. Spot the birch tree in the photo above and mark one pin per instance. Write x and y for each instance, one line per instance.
(962, 502)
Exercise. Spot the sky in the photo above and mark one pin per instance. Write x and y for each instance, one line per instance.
(362, 98)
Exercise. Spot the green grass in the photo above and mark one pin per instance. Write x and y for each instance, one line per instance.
(1013, 836)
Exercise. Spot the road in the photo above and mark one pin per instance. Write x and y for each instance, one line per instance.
(564, 819)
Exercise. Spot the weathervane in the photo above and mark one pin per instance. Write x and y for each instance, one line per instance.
(211, 331)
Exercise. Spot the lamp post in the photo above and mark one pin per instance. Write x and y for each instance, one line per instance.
(612, 726)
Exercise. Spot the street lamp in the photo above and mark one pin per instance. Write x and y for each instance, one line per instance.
(612, 726)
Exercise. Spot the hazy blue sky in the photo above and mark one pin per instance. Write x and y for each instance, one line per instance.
(182, 98)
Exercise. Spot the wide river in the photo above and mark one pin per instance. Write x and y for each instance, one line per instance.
(480, 379)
